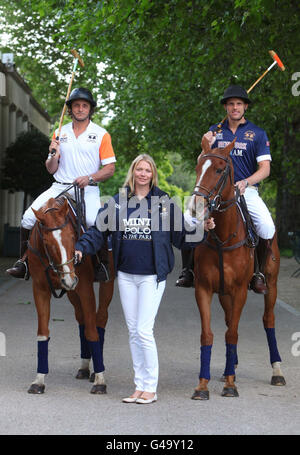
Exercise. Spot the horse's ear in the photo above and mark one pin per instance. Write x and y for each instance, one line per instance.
(65, 206)
(226, 150)
(37, 214)
(205, 145)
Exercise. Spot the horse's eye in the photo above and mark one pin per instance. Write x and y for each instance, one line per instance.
(219, 171)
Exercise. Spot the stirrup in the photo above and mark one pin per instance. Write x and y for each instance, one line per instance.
(25, 275)
(258, 283)
(186, 278)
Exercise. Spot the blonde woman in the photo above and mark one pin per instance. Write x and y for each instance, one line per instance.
(143, 257)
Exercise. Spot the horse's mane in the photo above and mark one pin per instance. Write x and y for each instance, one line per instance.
(53, 204)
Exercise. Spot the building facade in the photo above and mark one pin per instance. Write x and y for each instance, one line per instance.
(19, 112)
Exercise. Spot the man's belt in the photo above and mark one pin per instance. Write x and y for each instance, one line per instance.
(63, 183)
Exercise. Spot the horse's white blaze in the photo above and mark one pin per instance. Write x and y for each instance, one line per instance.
(192, 204)
(204, 169)
(67, 278)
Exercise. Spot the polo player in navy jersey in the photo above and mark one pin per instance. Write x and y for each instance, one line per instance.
(251, 160)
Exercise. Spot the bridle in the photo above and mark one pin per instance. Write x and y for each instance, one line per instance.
(51, 266)
(214, 202)
(213, 197)
(40, 230)
(80, 221)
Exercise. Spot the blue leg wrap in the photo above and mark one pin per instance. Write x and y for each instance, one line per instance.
(42, 355)
(96, 350)
(101, 333)
(205, 362)
(274, 354)
(231, 358)
(84, 346)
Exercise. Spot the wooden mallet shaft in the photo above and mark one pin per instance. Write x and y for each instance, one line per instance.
(79, 60)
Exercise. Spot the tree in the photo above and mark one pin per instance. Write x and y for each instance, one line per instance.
(24, 165)
(167, 64)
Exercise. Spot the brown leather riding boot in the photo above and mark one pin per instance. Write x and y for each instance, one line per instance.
(258, 281)
(20, 268)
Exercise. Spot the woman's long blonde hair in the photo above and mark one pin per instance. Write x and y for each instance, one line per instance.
(129, 181)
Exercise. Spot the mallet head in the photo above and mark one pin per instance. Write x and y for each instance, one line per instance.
(277, 59)
(76, 55)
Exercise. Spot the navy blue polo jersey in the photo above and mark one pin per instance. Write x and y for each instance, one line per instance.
(252, 146)
(136, 250)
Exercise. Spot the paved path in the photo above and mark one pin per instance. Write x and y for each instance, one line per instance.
(67, 407)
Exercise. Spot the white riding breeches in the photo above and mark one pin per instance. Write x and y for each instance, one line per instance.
(91, 198)
(140, 298)
(259, 213)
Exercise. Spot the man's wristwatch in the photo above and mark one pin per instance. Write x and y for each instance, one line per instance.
(246, 182)
(91, 180)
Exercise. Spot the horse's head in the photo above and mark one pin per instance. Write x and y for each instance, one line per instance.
(214, 181)
(58, 236)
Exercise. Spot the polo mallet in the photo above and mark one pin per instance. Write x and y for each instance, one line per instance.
(76, 61)
(281, 66)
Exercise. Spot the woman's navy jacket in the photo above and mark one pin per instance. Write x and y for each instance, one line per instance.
(167, 228)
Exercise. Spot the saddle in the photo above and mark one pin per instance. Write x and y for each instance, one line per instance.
(100, 259)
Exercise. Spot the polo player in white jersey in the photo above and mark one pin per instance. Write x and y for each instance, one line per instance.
(82, 155)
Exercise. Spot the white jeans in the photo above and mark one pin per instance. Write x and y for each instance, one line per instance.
(91, 197)
(260, 214)
(140, 298)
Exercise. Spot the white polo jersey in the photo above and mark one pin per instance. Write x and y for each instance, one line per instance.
(83, 155)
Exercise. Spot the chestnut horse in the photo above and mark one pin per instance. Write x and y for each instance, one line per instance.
(224, 264)
(51, 262)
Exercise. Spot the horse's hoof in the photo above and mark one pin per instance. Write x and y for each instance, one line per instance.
(92, 377)
(278, 380)
(230, 392)
(83, 373)
(99, 389)
(36, 389)
(200, 395)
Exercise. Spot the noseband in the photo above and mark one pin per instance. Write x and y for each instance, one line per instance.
(213, 197)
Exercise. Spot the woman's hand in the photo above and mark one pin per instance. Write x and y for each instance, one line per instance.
(209, 224)
(78, 257)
